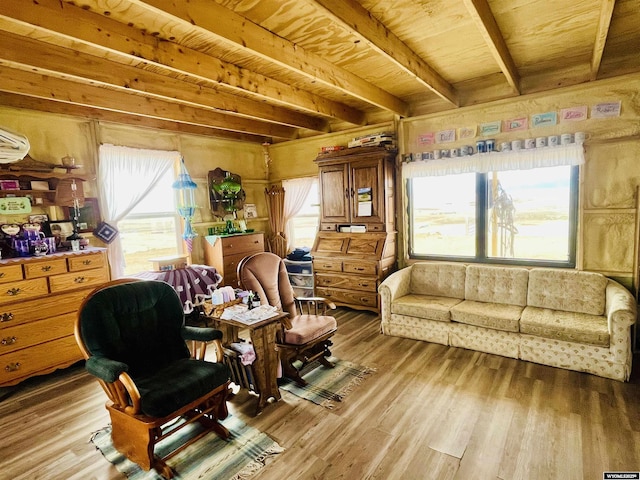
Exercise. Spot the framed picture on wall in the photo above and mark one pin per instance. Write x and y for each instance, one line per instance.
(89, 215)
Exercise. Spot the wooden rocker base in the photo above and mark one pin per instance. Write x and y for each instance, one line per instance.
(136, 436)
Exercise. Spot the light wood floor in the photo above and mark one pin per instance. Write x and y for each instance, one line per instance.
(429, 412)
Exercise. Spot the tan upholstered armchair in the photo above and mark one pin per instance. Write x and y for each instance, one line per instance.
(305, 334)
(132, 334)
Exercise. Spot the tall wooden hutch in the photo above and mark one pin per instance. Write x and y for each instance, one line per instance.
(355, 248)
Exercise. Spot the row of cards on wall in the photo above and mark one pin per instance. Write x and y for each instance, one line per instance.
(571, 114)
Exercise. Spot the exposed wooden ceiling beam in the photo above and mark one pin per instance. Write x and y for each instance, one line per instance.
(240, 33)
(67, 25)
(361, 23)
(50, 106)
(486, 23)
(37, 85)
(85, 68)
(606, 13)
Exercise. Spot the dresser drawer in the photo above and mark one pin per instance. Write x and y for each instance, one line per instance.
(355, 298)
(349, 282)
(327, 265)
(10, 273)
(243, 244)
(363, 268)
(48, 306)
(86, 262)
(22, 290)
(34, 333)
(73, 280)
(43, 358)
(45, 268)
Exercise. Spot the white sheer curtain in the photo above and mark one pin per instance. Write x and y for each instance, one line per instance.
(296, 192)
(125, 176)
(497, 161)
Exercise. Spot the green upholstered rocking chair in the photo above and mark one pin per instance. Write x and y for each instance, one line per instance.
(133, 337)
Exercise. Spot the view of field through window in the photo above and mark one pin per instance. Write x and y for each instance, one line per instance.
(152, 228)
(527, 218)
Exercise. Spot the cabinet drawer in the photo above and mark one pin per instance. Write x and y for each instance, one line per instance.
(46, 268)
(349, 282)
(328, 227)
(243, 244)
(18, 291)
(350, 297)
(327, 265)
(360, 267)
(86, 262)
(10, 273)
(47, 306)
(44, 358)
(34, 333)
(74, 280)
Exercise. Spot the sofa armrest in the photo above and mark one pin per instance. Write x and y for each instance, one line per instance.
(621, 312)
(620, 307)
(397, 284)
(394, 286)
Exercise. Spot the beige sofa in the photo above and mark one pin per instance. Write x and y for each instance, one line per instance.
(564, 318)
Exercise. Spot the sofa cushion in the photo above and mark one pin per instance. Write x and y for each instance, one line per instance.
(568, 326)
(439, 279)
(430, 307)
(496, 284)
(496, 316)
(567, 290)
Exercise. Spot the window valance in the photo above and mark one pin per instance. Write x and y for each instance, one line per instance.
(497, 161)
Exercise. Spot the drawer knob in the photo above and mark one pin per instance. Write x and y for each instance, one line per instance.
(2, 274)
(9, 340)
(359, 269)
(12, 367)
(79, 279)
(86, 262)
(46, 268)
(13, 292)
(6, 317)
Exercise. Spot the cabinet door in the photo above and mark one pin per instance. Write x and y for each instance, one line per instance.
(367, 176)
(334, 192)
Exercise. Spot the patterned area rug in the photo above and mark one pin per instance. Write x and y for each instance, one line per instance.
(238, 458)
(327, 385)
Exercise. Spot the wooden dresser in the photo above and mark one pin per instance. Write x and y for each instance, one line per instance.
(225, 252)
(355, 248)
(39, 301)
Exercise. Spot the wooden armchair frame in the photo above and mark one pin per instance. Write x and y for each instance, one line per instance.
(136, 434)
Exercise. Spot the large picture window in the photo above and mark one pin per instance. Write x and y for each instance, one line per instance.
(526, 216)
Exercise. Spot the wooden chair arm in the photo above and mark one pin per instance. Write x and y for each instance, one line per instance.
(314, 305)
(128, 394)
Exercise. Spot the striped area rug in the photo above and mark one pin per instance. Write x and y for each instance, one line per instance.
(326, 386)
(210, 458)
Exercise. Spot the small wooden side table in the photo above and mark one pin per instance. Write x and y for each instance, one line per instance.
(265, 366)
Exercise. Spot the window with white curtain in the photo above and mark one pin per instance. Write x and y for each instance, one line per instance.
(152, 228)
(137, 198)
(520, 209)
(303, 225)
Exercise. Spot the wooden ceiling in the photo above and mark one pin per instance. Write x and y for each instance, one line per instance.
(274, 70)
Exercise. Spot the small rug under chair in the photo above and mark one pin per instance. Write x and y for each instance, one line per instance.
(326, 386)
(210, 458)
